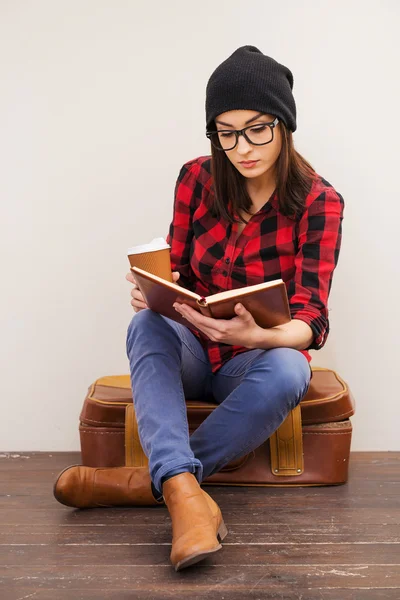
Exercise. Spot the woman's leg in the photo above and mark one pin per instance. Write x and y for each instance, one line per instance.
(167, 364)
(255, 391)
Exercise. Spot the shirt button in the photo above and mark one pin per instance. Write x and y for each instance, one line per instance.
(224, 273)
(227, 260)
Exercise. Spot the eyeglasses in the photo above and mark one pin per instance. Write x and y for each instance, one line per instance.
(258, 135)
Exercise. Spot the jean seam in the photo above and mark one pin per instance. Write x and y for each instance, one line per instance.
(232, 376)
(193, 354)
(182, 403)
(182, 407)
(246, 369)
(182, 341)
(249, 366)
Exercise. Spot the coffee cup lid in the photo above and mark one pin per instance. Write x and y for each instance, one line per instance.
(155, 244)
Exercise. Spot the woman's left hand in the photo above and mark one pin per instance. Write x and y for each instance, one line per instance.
(241, 330)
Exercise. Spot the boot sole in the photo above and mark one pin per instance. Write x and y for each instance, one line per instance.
(195, 558)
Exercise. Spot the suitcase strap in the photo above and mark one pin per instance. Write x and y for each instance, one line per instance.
(134, 455)
(286, 446)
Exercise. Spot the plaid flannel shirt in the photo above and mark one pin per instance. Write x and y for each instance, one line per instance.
(211, 258)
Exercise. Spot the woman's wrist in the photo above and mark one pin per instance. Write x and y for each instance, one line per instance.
(295, 334)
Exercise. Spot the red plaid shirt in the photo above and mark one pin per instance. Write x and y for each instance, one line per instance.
(302, 252)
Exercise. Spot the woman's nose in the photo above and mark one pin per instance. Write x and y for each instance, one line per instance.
(243, 145)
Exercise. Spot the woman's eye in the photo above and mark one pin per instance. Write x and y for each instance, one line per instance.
(226, 134)
(260, 129)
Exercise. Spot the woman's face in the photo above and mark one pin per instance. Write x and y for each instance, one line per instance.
(265, 155)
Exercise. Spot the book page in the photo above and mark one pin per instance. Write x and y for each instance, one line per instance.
(244, 290)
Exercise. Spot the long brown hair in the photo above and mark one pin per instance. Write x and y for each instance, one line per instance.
(294, 176)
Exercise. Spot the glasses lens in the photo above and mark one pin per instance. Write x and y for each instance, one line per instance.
(226, 139)
(214, 139)
(260, 134)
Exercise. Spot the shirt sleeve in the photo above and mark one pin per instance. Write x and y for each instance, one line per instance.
(319, 241)
(180, 230)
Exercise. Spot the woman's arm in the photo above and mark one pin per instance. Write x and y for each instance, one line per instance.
(296, 334)
(319, 241)
(180, 230)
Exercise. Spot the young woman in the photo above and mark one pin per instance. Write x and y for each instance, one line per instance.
(254, 211)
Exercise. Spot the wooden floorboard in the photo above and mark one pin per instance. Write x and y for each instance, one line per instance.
(327, 543)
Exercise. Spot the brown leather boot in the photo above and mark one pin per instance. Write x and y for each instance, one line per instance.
(196, 521)
(89, 487)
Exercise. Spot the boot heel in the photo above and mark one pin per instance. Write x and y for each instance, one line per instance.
(222, 532)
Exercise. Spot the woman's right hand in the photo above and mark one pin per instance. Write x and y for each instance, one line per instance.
(137, 301)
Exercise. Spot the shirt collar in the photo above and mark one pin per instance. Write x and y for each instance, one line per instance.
(273, 203)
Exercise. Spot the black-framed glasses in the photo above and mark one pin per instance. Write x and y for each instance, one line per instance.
(258, 135)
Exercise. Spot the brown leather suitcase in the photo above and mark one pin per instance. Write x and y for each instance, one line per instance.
(312, 446)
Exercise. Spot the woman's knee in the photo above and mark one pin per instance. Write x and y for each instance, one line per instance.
(290, 372)
(145, 324)
(148, 334)
(139, 319)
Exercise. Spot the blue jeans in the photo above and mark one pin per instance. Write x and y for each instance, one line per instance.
(255, 391)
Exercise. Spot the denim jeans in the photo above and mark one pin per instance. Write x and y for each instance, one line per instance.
(255, 391)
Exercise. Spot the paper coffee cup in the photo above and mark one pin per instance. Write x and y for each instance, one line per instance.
(153, 257)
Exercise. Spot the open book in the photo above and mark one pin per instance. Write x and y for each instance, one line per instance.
(267, 302)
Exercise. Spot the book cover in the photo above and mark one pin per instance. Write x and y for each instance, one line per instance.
(267, 302)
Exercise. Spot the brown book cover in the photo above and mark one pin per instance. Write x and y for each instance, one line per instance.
(267, 302)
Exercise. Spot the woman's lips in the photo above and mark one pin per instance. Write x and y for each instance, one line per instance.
(249, 164)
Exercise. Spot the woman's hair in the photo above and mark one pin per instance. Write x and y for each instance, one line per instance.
(294, 177)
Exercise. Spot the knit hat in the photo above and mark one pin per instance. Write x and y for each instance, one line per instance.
(250, 80)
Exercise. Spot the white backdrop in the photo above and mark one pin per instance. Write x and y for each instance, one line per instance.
(101, 102)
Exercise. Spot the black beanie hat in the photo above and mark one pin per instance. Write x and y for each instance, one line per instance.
(250, 80)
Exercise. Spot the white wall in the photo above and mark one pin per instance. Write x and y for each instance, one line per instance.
(101, 102)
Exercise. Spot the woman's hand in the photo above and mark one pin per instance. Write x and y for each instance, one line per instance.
(137, 301)
(241, 330)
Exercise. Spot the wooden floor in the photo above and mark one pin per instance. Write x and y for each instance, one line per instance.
(335, 542)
